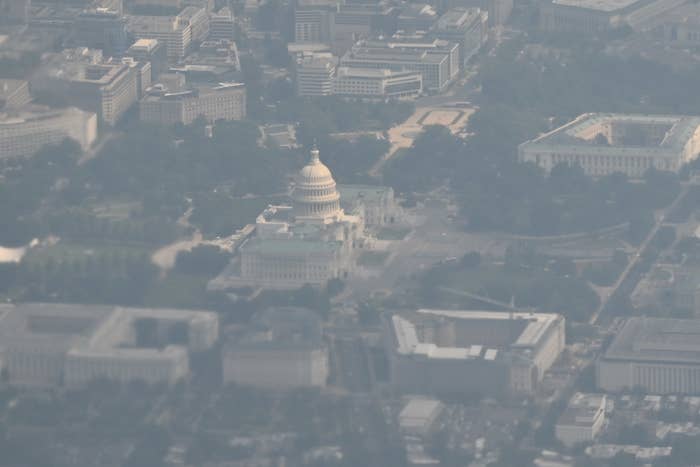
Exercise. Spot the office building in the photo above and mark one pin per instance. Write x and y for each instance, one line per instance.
(172, 31)
(151, 51)
(415, 17)
(222, 25)
(419, 416)
(656, 355)
(214, 62)
(467, 27)
(223, 101)
(24, 132)
(63, 344)
(582, 420)
(14, 94)
(437, 61)
(603, 144)
(357, 21)
(101, 29)
(370, 83)
(314, 20)
(281, 349)
(315, 74)
(479, 352)
(594, 16)
(198, 19)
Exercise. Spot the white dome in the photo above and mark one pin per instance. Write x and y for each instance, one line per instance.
(315, 194)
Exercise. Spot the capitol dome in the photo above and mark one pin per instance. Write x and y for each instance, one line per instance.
(315, 195)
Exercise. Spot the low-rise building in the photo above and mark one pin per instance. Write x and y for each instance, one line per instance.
(631, 144)
(657, 355)
(224, 101)
(583, 419)
(370, 83)
(282, 349)
(419, 416)
(23, 133)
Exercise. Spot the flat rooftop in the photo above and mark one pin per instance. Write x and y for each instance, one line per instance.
(606, 6)
(657, 340)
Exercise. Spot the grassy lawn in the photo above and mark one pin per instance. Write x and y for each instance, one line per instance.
(393, 233)
(77, 252)
(177, 290)
(372, 258)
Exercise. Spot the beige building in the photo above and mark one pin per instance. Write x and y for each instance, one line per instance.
(173, 31)
(603, 144)
(657, 355)
(371, 83)
(24, 132)
(225, 101)
(45, 344)
(282, 349)
(583, 420)
(460, 352)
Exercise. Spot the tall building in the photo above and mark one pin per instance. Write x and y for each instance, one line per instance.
(224, 101)
(369, 83)
(315, 74)
(460, 352)
(222, 25)
(14, 94)
(657, 355)
(151, 51)
(172, 31)
(24, 132)
(467, 27)
(63, 344)
(101, 29)
(281, 349)
(603, 144)
(198, 19)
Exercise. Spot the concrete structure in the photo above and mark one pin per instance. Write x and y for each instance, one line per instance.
(678, 27)
(198, 19)
(81, 76)
(101, 29)
(583, 419)
(310, 241)
(224, 101)
(438, 61)
(58, 344)
(151, 51)
(376, 204)
(657, 355)
(314, 20)
(23, 133)
(603, 144)
(596, 16)
(370, 83)
(282, 349)
(14, 94)
(458, 352)
(415, 17)
(467, 27)
(315, 74)
(222, 25)
(175, 32)
(419, 416)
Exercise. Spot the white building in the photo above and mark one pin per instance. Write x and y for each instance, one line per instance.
(173, 31)
(419, 416)
(24, 132)
(53, 344)
(222, 25)
(583, 419)
(283, 349)
(660, 356)
(458, 352)
(315, 74)
(378, 84)
(603, 144)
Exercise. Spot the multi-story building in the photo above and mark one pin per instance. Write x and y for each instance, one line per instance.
(222, 25)
(14, 94)
(213, 62)
(315, 74)
(415, 17)
(71, 345)
(356, 21)
(224, 101)
(467, 27)
(438, 61)
(656, 355)
(314, 21)
(101, 29)
(23, 133)
(583, 419)
(151, 51)
(420, 416)
(603, 144)
(460, 352)
(370, 83)
(198, 19)
(172, 31)
(282, 349)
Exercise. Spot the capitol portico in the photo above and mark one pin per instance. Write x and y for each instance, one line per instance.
(312, 240)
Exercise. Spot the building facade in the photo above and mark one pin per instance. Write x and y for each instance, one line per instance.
(371, 83)
(315, 74)
(603, 144)
(467, 27)
(23, 133)
(582, 421)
